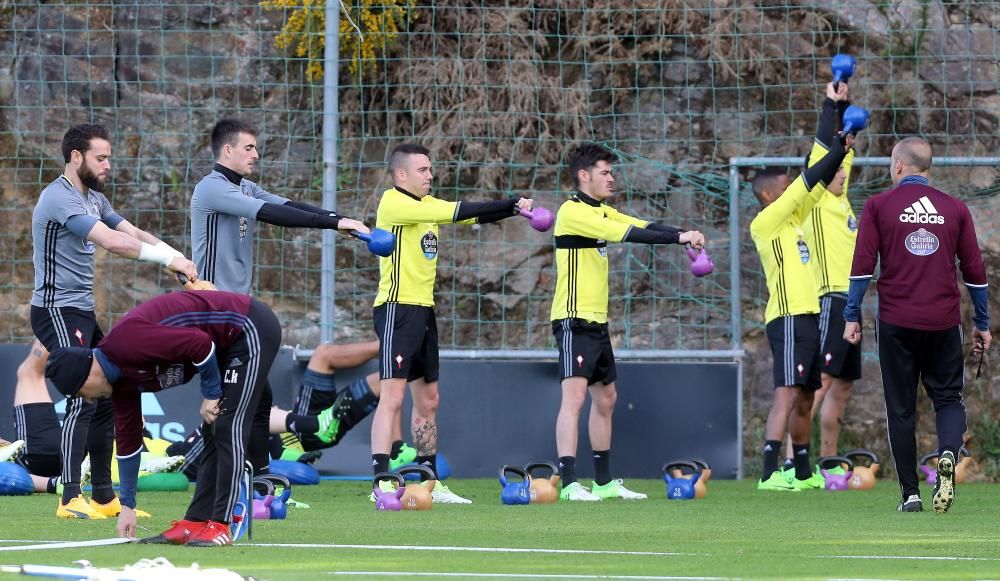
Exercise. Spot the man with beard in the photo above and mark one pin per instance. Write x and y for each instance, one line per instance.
(73, 217)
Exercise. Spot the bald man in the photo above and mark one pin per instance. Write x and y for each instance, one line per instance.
(918, 232)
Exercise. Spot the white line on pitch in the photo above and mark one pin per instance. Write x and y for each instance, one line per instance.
(469, 549)
(524, 576)
(906, 557)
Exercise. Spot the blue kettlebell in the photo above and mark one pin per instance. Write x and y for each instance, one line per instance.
(855, 119)
(278, 502)
(514, 492)
(842, 66)
(681, 487)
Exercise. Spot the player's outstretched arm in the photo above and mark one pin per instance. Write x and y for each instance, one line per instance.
(127, 246)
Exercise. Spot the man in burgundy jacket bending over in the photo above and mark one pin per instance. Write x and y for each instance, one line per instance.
(230, 341)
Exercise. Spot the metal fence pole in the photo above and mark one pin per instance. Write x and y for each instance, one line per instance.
(331, 106)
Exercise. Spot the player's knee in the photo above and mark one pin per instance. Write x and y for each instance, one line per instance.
(572, 401)
(32, 369)
(323, 355)
(605, 398)
(427, 404)
(392, 399)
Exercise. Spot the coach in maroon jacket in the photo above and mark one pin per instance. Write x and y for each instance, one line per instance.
(230, 340)
(917, 232)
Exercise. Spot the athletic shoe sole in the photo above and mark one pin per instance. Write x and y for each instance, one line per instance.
(945, 493)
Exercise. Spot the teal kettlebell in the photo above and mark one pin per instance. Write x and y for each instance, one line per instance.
(514, 492)
(681, 487)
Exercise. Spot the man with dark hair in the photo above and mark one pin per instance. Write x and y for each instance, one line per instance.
(915, 233)
(71, 219)
(230, 340)
(791, 316)
(404, 305)
(584, 226)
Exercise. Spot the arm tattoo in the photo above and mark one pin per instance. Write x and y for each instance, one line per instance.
(425, 437)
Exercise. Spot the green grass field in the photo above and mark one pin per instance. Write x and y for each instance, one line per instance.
(734, 533)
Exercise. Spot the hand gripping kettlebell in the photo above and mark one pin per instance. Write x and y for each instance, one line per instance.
(389, 500)
(543, 490)
(417, 495)
(836, 481)
(864, 476)
(514, 492)
(701, 262)
(681, 487)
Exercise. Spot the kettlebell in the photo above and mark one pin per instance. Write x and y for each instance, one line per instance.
(701, 262)
(836, 482)
(262, 500)
(864, 476)
(385, 501)
(842, 67)
(543, 490)
(964, 465)
(701, 486)
(682, 487)
(514, 492)
(930, 472)
(417, 495)
(279, 502)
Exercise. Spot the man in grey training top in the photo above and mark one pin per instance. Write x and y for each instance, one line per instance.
(72, 218)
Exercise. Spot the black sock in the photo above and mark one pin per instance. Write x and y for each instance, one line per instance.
(430, 461)
(274, 446)
(602, 467)
(70, 491)
(380, 463)
(102, 494)
(397, 447)
(771, 448)
(51, 484)
(301, 424)
(567, 470)
(788, 464)
(800, 456)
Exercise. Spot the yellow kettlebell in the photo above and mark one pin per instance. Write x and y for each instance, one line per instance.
(543, 489)
(700, 485)
(417, 495)
(863, 477)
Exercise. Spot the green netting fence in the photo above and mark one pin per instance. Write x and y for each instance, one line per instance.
(500, 92)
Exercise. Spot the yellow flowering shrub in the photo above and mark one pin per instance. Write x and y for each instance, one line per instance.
(303, 35)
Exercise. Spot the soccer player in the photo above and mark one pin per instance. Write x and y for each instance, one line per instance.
(831, 230)
(791, 316)
(230, 340)
(71, 219)
(584, 226)
(224, 208)
(404, 305)
(916, 232)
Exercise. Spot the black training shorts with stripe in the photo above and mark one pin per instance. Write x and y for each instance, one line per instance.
(408, 342)
(585, 350)
(840, 358)
(37, 425)
(794, 343)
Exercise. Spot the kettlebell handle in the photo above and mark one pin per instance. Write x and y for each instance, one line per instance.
(530, 468)
(394, 476)
(926, 458)
(964, 452)
(502, 473)
(862, 453)
(828, 462)
(266, 484)
(702, 464)
(424, 471)
(680, 464)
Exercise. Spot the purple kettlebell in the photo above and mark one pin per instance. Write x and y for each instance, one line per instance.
(701, 262)
(541, 218)
(388, 500)
(930, 471)
(836, 481)
(262, 506)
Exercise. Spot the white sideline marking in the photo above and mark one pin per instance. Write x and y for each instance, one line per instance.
(47, 545)
(523, 575)
(905, 557)
(469, 549)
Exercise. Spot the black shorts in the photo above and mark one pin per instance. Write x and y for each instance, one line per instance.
(585, 350)
(840, 358)
(65, 327)
(795, 349)
(37, 425)
(408, 342)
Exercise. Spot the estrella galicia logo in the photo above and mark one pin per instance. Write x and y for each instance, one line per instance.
(852, 223)
(803, 251)
(429, 244)
(170, 375)
(922, 243)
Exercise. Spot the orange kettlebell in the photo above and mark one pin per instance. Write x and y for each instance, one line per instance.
(417, 496)
(543, 490)
(706, 470)
(863, 477)
(964, 465)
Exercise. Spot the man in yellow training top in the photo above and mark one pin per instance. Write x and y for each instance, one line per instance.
(404, 306)
(584, 227)
(792, 314)
(832, 230)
